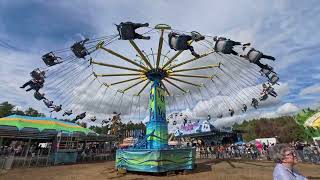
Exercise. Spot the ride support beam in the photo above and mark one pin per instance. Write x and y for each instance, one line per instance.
(124, 58)
(175, 85)
(193, 76)
(159, 49)
(128, 80)
(133, 85)
(143, 57)
(191, 60)
(115, 66)
(184, 81)
(143, 88)
(124, 74)
(172, 59)
(197, 68)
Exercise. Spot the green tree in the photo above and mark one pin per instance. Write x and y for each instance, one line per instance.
(285, 128)
(6, 109)
(33, 112)
(19, 112)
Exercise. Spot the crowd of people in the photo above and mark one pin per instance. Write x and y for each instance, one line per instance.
(306, 152)
(19, 148)
(235, 151)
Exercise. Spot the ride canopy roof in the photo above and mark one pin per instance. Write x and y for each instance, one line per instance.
(42, 123)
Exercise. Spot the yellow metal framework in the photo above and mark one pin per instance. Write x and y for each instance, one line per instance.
(143, 57)
(169, 69)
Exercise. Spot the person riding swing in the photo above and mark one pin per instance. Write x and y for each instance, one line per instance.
(127, 31)
(56, 108)
(39, 96)
(79, 50)
(225, 45)
(48, 103)
(180, 42)
(255, 103)
(244, 108)
(68, 113)
(254, 56)
(50, 59)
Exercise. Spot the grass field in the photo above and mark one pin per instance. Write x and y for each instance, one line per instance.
(207, 169)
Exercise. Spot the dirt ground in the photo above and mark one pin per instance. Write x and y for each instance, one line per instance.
(207, 169)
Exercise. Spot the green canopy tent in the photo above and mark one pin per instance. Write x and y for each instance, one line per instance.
(63, 135)
(37, 127)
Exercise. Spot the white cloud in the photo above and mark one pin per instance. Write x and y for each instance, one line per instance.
(314, 89)
(215, 105)
(14, 72)
(287, 109)
(283, 110)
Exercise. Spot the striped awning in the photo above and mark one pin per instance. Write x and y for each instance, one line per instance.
(40, 124)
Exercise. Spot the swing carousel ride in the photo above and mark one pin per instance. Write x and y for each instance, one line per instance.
(110, 75)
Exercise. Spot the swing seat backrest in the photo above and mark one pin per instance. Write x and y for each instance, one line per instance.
(48, 60)
(270, 89)
(79, 50)
(254, 56)
(36, 74)
(126, 31)
(38, 96)
(274, 79)
(224, 46)
(264, 97)
(179, 42)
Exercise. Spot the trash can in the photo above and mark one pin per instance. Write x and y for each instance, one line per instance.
(8, 162)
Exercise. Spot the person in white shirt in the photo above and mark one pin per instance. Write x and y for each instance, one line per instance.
(286, 158)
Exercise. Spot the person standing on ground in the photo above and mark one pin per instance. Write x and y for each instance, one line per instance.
(285, 157)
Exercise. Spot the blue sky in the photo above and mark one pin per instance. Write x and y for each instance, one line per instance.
(288, 30)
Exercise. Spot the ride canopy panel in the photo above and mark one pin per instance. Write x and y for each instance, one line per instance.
(42, 123)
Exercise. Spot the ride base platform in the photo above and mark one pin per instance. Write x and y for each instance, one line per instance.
(156, 160)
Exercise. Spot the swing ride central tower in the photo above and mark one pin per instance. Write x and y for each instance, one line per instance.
(157, 126)
(152, 153)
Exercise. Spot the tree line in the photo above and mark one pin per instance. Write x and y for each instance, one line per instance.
(123, 130)
(285, 129)
(7, 109)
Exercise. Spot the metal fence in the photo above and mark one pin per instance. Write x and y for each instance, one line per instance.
(42, 158)
(204, 153)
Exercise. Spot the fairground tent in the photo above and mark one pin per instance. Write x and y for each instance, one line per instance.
(24, 125)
